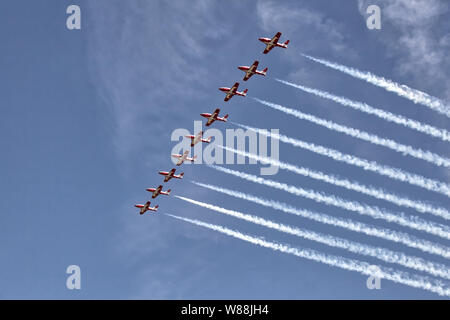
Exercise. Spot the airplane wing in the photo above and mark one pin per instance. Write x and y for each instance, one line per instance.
(276, 37)
(268, 48)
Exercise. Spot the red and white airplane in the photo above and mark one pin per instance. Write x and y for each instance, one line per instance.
(158, 191)
(253, 69)
(171, 174)
(233, 91)
(183, 157)
(197, 138)
(272, 43)
(213, 117)
(146, 207)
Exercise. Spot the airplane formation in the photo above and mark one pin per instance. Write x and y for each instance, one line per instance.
(212, 117)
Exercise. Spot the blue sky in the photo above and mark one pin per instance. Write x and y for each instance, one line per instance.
(86, 119)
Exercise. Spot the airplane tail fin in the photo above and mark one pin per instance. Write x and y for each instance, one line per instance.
(226, 117)
(181, 175)
(157, 206)
(286, 43)
(245, 92)
(265, 70)
(168, 191)
(209, 139)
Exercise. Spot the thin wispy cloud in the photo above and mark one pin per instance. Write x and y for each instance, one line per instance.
(143, 70)
(420, 52)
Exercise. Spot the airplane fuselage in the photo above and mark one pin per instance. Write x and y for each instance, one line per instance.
(211, 119)
(196, 140)
(250, 72)
(167, 175)
(156, 192)
(270, 46)
(231, 92)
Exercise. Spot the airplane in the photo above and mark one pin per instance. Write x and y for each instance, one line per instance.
(183, 157)
(253, 69)
(146, 207)
(213, 117)
(158, 191)
(272, 43)
(233, 91)
(199, 137)
(171, 174)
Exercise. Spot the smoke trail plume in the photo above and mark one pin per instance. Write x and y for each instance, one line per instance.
(350, 185)
(362, 267)
(393, 173)
(428, 156)
(363, 209)
(386, 115)
(383, 233)
(383, 254)
(400, 89)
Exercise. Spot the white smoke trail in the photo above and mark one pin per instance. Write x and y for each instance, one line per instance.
(386, 115)
(383, 233)
(393, 173)
(363, 135)
(412, 222)
(362, 267)
(383, 254)
(402, 90)
(351, 185)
